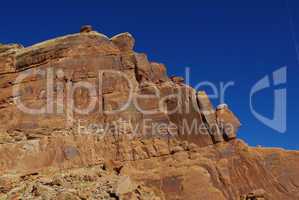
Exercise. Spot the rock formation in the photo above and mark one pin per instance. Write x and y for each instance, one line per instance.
(145, 136)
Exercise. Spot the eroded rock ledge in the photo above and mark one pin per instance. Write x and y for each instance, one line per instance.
(45, 156)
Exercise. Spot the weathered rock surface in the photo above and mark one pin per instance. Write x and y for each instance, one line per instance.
(56, 154)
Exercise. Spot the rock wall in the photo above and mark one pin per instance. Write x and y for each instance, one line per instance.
(66, 62)
(140, 129)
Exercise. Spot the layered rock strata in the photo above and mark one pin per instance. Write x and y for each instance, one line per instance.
(84, 116)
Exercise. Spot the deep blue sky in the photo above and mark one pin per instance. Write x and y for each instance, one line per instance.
(219, 40)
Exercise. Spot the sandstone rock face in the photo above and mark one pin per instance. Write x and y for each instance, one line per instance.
(228, 122)
(124, 41)
(85, 117)
(209, 116)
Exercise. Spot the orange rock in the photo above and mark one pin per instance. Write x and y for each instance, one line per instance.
(45, 156)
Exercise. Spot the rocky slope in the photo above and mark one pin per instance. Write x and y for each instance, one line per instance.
(166, 143)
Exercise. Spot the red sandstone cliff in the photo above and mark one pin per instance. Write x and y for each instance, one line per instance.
(46, 156)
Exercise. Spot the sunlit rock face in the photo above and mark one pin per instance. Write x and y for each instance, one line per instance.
(89, 77)
(84, 116)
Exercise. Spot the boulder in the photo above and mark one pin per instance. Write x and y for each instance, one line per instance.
(86, 29)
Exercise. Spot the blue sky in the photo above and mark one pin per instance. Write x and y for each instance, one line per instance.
(232, 40)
